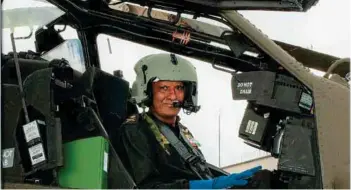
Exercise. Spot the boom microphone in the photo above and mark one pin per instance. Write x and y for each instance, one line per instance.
(177, 104)
(189, 107)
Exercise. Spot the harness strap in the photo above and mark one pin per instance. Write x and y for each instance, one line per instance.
(193, 158)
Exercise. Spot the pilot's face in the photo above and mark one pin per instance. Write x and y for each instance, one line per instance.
(164, 93)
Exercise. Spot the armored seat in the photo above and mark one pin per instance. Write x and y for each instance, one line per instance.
(108, 96)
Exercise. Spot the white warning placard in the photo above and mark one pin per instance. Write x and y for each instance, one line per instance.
(37, 154)
(31, 131)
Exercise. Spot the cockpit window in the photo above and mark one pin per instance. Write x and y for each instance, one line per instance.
(29, 13)
(28, 20)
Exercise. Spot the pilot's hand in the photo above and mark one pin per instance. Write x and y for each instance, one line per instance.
(236, 179)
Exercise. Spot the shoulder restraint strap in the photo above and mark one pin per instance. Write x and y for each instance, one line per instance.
(164, 135)
(196, 163)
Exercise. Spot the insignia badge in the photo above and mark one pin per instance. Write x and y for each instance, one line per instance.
(131, 119)
(190, 137)
(193, 142)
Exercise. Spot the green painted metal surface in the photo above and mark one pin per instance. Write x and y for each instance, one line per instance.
(85, 164)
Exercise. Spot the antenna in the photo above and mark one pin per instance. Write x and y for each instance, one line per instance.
(19, 78)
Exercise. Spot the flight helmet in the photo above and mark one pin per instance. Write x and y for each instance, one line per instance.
(165, 67)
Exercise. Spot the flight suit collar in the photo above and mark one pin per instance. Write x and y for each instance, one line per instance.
(175, 129)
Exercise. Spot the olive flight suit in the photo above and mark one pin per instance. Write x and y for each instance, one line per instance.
(149, 157)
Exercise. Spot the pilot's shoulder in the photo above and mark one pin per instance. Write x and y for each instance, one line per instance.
(130, 125)
(132, 120)
(184, 129)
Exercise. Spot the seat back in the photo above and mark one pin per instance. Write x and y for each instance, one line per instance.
(109, 96)
(38, 95)
(36, 89)
(27, 66)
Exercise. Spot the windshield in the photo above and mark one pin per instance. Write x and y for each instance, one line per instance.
(24, 17)
(29, 13)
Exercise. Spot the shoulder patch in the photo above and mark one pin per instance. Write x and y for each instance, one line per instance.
(132, 119)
